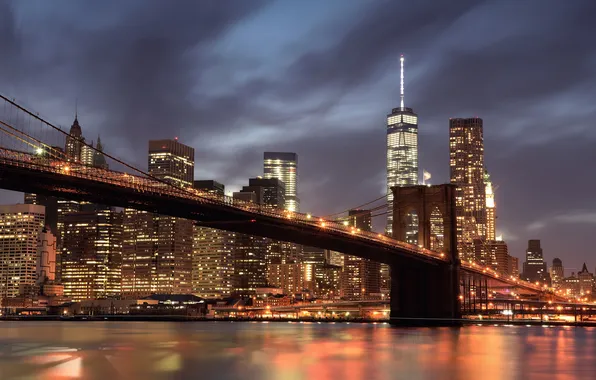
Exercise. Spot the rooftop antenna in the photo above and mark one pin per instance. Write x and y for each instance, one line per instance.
(401, 87)
(76, 108)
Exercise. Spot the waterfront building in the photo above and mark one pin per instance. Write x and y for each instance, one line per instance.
(491, 209)
(20, 226)
(92, 261)
(157, 249)
(361, 277)
(213, 254)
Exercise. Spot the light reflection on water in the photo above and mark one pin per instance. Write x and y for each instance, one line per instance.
(289, 351)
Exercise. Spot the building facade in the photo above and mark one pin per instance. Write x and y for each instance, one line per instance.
(20, 226)
(361, 278)
(157, 249)
(466, 152)
(92, 260)
(557, 273)
(491, 209)
(213, 254)
(534, 268)
(284, 166)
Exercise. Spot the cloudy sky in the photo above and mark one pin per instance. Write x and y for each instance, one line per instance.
(236, 78)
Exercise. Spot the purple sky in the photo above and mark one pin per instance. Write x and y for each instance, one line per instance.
(318, 78)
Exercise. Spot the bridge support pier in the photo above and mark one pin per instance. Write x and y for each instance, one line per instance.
(424, 295)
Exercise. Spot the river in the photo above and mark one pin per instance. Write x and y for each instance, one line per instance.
(291, 351)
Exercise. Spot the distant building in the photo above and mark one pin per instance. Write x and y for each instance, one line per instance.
(361, 277)
(466, 151)
(213, 254)
(557, 273)
(287, 276)
(250, 264)
(92, 263)
(284, 166)
(157, 249)
(586, 283)
(328, 278)
(20, 226)
(535, 266)
(491, 208)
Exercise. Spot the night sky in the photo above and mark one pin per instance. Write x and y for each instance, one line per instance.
(235, 78)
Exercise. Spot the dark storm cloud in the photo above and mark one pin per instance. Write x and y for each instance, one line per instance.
(146, 69)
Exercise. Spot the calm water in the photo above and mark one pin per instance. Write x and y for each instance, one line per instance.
(284, 351)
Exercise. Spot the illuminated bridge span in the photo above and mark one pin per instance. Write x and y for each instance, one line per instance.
(424, 283)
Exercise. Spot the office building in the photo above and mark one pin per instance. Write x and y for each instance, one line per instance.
(20, 226)
(557, 273)
(466, 151)
(284, 166)
(286, 276)
(361, 277)
(534, 268)
(213, 255)
(92, 260)
(172, 161)
(402, 155)
(157, 249)
(75, 142)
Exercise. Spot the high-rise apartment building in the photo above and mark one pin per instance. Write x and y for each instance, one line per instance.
(213, 255)
(361, 277)
(402, 154)
(20, 226)
(535, 266)
(284, 166)
(157, 249)
(92, 262)
(557, 273)
(466, 151)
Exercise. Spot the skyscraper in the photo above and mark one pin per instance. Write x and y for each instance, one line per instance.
(466, 151)
(361, 277)
(92, 260)
(557, 273)
(402, 152)
(157, 249)
(284, 166)
(535, 266)
(20, 226)
(491, 209)
(172, 161)
(213, 256)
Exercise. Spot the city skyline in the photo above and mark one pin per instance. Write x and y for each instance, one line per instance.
(531, 204)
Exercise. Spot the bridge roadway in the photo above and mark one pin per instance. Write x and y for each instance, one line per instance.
(28, 172)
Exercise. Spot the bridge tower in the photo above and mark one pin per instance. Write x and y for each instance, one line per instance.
(422, 290)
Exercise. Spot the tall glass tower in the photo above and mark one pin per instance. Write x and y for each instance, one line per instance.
(402, 153)
(284, 166)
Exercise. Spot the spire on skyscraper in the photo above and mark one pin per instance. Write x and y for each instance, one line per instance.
(401, 87)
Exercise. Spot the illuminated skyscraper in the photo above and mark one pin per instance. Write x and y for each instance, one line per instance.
(92, 260)
(284, 166)
(157, 249)
(361, 277)
(20, 226)
(402, 153)
(466, 151)
(172, 161)
(213, 256)
(491, 209)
